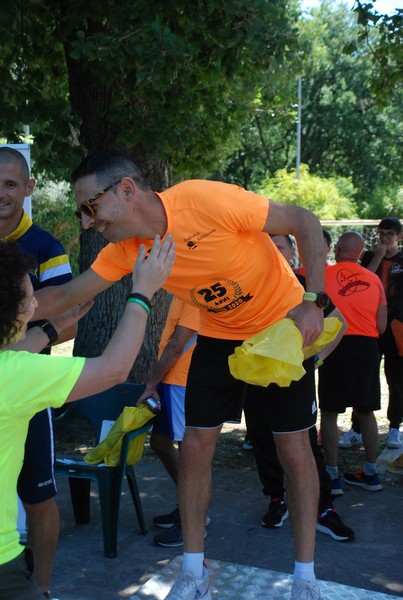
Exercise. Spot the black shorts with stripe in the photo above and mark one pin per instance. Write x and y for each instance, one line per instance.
(214, 397)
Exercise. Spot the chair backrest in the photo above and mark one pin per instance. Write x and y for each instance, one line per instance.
(107, 405)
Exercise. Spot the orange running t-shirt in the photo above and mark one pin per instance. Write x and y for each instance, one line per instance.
(224, 264)
(185, 315)
(357, 293)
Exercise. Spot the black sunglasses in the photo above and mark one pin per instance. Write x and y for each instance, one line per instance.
(87, 208)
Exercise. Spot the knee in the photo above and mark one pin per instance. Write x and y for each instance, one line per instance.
(197, 449)
(294, 451)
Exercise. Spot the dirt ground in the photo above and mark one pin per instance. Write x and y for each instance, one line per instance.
(75, 437)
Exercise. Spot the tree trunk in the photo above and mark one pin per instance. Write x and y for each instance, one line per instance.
(91, 101)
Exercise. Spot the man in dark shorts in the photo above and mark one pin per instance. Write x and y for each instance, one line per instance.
(259, 427)
(36, 484)
(227, 266)
(350, 375)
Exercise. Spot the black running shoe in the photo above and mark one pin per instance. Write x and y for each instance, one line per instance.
(167, 521)
(276, 515)
(331, 524)
(171, 538)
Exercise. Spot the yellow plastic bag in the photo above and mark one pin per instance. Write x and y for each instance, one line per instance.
(275, 355)
(108, 451)
(331, 328)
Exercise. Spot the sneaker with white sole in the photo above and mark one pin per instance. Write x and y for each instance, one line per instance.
(276, 515)
(168, 520)
(337, 487)
(186, 587)
(171, 538)
(305, 590)
(371, 483)
(349, 439)
(173, 518)
(331, 524)
(394, 438)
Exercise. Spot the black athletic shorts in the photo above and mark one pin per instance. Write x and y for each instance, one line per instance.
(214, 397)
(350, 376)
(36, 482)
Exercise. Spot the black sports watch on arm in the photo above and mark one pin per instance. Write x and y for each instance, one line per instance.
(49, 329)
(321, 299)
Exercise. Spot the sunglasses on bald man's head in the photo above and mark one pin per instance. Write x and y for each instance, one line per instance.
(87, 207)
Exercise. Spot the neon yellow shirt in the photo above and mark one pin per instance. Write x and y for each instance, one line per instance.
(29, 383)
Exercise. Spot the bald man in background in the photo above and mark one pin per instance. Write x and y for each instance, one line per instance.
(350, 375)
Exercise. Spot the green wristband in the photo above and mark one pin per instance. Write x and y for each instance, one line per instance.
(140, 303)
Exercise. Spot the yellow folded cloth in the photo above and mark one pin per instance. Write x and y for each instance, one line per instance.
(108, 451)
(275, 355)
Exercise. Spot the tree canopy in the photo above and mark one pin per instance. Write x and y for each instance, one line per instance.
(169, 82)
(168, 79)
(345, 132)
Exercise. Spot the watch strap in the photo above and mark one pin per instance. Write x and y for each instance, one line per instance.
(50, 331)
(311, 296)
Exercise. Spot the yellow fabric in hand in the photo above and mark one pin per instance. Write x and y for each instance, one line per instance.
(275, 355)
(108, 451)
(331, 328)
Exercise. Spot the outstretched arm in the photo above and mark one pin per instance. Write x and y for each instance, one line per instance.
(55, 300)
(36, 339)
(114, 365)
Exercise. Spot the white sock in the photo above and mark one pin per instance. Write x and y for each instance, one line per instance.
(304, 571)
(193, 562)
(333, 472)
(369, 468)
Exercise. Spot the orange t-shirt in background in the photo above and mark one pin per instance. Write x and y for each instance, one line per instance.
(184, 315)
(357, 293)
(225, 265)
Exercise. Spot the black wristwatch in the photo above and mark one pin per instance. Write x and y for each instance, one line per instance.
(50, 331)
(321, 299)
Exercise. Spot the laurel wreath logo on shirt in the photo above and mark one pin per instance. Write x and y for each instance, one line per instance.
(222, 295)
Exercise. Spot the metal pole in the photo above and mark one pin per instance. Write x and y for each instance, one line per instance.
(299, 126)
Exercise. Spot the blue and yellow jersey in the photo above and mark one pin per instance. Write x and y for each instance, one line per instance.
(52, 262)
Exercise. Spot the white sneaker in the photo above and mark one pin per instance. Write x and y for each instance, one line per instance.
(394, 439)
(186, 587)
(305, 590)
(349, 439)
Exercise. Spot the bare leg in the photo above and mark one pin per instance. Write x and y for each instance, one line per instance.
(167, 453)
(369, 430)
(330, 437)
(302, 488)
(194, 485)
(43, 534)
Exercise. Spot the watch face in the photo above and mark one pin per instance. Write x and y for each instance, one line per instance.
(322, 299)
(152, 404)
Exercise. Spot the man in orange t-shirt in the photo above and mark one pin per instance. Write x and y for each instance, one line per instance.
(227, 266)
(350, 374)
